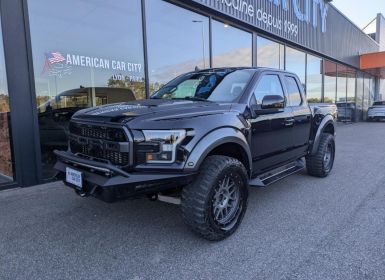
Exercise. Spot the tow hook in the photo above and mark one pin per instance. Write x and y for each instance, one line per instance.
(164, 198)
(82, 193)
(85, 193)
(153, 197)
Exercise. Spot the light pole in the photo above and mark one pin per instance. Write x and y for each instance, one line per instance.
(203, 41)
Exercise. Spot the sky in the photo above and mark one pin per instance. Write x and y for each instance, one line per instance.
(360, 12)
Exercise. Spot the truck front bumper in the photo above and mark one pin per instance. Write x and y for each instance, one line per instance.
(111, 183)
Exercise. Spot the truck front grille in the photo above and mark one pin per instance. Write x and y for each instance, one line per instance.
(98, 132)
(100, 143)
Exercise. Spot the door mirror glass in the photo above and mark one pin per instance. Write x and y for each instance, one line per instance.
(273, 102)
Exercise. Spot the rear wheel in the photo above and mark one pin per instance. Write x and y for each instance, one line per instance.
(214, 204)
(321, 163)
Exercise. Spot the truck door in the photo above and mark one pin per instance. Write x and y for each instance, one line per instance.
(301, 116)
(271, 137)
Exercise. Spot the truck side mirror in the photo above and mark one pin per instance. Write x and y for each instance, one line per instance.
(273, 102)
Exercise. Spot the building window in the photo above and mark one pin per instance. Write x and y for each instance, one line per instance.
(314, 79)
(296, 63)
(381, 93)
(360, 96)
(270, 54)
(230, 46)
(341, 83)
(346, 94)
(330, 84)
(6, 159)
(372, 90)
(177, 40)
(366, 97)
(351, 85)
(91, 53)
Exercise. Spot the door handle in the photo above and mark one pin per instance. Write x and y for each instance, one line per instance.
(289, 122)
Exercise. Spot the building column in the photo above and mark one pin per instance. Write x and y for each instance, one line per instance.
(21, 88)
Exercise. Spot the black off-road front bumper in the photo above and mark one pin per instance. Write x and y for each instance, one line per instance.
(110, 183)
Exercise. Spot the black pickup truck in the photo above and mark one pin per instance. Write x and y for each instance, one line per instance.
(201, 141)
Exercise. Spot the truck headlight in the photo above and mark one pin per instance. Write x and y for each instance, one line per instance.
(168, 141)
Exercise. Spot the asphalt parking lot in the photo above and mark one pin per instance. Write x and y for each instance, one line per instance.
(299, 228)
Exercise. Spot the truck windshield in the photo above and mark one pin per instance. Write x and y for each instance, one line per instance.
(215, 86)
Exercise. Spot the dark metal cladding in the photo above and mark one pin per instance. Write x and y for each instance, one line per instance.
(342, 40)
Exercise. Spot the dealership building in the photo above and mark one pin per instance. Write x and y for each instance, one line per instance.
(58, 57)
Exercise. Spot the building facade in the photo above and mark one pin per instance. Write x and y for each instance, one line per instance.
(57, 57)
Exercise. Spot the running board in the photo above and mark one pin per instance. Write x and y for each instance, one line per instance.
(275, 175)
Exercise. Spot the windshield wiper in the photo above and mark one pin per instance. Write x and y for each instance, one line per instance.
(194, 98)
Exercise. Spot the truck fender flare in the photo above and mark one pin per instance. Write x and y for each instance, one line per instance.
(213, 140)
(324, 123)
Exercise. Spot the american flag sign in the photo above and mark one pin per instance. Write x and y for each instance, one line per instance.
(54, 57)
(55, 65)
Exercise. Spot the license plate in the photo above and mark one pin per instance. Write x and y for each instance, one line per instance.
(74, 177)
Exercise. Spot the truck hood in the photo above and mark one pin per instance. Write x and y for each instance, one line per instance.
(152, 109)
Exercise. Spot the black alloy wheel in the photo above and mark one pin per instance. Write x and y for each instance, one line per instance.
(214, 204)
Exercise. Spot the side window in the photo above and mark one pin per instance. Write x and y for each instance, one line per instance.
(268, 85)
(294, 94)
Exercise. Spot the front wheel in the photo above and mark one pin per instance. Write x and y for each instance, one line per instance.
(321, 163)
(214, 204)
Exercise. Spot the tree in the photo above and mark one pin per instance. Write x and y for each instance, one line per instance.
(4, 103)
(138, 87)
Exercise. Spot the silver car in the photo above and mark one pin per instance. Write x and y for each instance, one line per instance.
(377, 111)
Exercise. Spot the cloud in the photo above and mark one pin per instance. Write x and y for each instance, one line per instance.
(234, 58)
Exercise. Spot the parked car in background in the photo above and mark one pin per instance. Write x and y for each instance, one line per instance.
(346, 111)
(377, 111)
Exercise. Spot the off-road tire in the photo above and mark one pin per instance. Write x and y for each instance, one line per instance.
(199, 199)
(315, 164)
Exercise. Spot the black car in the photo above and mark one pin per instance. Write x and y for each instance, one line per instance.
(346, 111)
(201, 140)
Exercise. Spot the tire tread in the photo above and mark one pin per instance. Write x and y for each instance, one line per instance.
(314, 163)
(195, 195)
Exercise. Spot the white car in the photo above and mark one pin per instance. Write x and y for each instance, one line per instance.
(377, 111)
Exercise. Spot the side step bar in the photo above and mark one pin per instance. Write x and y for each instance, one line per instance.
(275, 175)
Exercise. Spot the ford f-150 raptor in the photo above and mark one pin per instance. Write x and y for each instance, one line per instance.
(201, 140)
